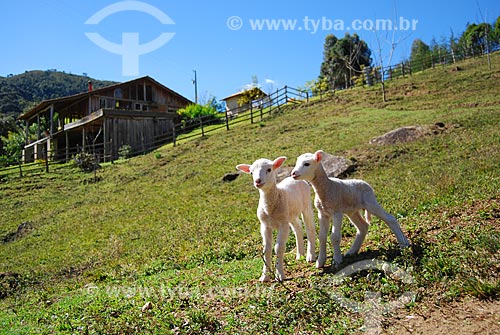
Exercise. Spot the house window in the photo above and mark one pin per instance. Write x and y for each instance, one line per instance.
(140, 92)
(149, 93)
(118, 93)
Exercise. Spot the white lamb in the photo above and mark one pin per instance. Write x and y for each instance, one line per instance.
(336, 197)
(280, 206)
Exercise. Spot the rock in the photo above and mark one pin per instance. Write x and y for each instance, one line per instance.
(410, 133)
(400, 135)
(338, 166)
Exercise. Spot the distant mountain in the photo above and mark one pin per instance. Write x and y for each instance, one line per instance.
(23, 91)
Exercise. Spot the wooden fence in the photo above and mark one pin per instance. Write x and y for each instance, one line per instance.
(256, 111)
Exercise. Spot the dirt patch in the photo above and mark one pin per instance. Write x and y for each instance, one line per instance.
(410, 133)
(469, 316)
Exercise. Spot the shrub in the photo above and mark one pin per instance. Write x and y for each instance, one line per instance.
(194, 111)
(86, 161)
(125, 151)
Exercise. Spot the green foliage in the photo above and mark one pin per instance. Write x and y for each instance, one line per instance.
(317, 86)
(125, 152)
(86, 161)
(250, 95)
(420, 57)
(13, 145)
(20, 92)
(194, 111)
(343, 59)
(477, 38)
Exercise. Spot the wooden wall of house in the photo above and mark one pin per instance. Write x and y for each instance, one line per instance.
(139, 133)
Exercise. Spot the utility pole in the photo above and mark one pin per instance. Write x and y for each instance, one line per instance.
(195, 82)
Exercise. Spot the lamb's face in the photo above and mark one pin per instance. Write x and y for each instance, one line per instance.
(262, 171)
(305, 167)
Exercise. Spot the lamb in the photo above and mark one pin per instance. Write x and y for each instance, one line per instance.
(334, 198)
(280, 206)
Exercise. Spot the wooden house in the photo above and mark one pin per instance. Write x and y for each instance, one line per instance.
(139, 113)
(233, 106)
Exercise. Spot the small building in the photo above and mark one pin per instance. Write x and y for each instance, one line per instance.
(139, 113)
(233, 106)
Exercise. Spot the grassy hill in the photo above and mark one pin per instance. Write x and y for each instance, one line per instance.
(160, 244)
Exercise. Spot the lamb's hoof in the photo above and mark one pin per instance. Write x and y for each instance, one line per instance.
(311, 258)
(320, 264)
(280, 277)
(264, 278)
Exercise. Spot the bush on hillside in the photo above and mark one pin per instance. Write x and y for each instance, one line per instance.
(191, 114)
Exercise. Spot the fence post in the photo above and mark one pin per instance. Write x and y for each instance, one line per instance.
(45, 152)
(227, 121)
(173, 135)
(201, 126)
(251, 113)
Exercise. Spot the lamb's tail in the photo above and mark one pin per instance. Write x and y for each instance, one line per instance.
(368, 217)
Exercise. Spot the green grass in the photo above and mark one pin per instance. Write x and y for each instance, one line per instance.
(164, 228)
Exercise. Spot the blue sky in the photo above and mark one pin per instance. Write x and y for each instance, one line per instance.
(221, 40)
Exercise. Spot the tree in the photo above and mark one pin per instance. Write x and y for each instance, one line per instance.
(495, 36)
(439, 51)
(475, 38)
(250, 95)
(343, 58)
(420, 56)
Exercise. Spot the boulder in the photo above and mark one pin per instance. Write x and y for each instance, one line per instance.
(409, 133)
(335, 166)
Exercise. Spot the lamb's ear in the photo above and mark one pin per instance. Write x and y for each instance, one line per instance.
(243, 167)
(278, 162)
(318, 155)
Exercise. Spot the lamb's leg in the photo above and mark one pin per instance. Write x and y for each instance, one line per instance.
(362, 229)
(299, 237)
(336, 237)
(324, 224)
(267, 241)
(377, 210)
(308, 218)
(279, 249)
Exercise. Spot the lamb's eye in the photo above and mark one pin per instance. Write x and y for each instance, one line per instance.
(307, 164)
